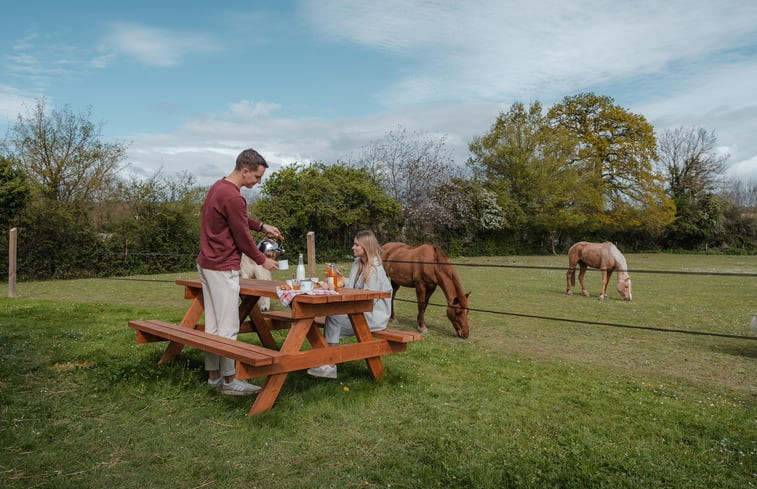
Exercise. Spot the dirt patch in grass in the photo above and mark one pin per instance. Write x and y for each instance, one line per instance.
(67, 366)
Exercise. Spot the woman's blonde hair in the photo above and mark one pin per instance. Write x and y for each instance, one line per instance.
(372, 251)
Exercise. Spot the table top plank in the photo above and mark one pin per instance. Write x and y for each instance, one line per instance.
(267, 288)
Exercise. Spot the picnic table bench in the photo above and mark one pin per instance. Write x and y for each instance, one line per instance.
(303, 322)
(283, 320)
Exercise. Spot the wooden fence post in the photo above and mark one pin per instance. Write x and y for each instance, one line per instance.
(311, 254)
(12, 262)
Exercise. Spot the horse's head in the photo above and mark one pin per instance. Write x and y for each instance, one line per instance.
(457, 313)
(624, 288)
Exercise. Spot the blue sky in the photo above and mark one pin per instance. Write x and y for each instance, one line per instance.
(187, 85)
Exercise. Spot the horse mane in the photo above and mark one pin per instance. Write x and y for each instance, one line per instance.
(621, 265)
(447, 275)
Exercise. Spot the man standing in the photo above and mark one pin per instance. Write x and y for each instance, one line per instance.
(224, 236)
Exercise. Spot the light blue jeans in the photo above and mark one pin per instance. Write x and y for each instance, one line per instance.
(339, 326)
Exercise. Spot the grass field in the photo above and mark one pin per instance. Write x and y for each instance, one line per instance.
(550, 390)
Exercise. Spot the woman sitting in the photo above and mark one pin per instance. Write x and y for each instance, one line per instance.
(367, 273)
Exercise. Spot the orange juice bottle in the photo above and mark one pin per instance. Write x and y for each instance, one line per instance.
(330, 275)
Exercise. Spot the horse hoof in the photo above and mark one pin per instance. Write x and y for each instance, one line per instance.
(423, 330)
(570, 292)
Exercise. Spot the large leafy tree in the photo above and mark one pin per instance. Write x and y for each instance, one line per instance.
(63, 153)
(615, 151)
(334, 201)
(527, 163)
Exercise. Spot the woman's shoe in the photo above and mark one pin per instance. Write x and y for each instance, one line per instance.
(324, 371)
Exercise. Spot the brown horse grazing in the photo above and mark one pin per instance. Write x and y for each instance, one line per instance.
(604, 256)
(423, 268)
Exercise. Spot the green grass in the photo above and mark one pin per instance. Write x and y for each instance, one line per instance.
(524, 402)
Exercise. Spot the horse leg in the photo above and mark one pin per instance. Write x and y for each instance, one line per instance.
(571, 279)
(605, 280)
(581, 280)
(395, 288)
(422, 296)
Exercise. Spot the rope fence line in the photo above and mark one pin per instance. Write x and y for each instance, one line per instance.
(596, 323)
(506, 313)
(564, 269)
(490, 265)
(534, 316)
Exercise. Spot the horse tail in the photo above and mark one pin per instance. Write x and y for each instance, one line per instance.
(573, 259)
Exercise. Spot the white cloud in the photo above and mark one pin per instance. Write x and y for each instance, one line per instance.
(155, 47)
(494, 50)
(14, 102)
(207, 147)
(745, 170)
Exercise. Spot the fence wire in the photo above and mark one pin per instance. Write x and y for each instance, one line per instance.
(523, 315)
(561, 319)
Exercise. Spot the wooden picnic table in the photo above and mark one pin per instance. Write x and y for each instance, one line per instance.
(269, 360)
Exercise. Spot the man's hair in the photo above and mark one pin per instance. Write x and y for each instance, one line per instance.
(251, 160)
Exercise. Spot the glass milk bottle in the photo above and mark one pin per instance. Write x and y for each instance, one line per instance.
(300, 274)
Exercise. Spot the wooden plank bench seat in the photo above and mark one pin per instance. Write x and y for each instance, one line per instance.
(283, 319)
(151, 330)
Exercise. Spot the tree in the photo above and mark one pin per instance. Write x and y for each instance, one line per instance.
(14, 193)
(690, 161)
(615, 151)
(739, 204)
(526, 162)
(153, 224)
(409, 166)
(335, 201)
(693, 169)
(57, 241)
(460, 211)
(63, 153)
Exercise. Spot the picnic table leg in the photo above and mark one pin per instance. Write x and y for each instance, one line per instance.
(273, 383)
(191, 317)
(316, 338)
(363, 334)
(249, 307)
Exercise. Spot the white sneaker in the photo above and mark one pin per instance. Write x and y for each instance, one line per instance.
(239, 388)
(324, 371)
(216, 384)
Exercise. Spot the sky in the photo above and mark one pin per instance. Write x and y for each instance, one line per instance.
(187, 85)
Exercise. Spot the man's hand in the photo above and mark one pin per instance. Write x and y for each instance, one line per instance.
(270, 264)
(272, 232)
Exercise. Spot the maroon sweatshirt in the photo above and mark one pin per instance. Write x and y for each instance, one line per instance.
(225, 229)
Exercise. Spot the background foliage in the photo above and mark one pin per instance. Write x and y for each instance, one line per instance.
(538, 181)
